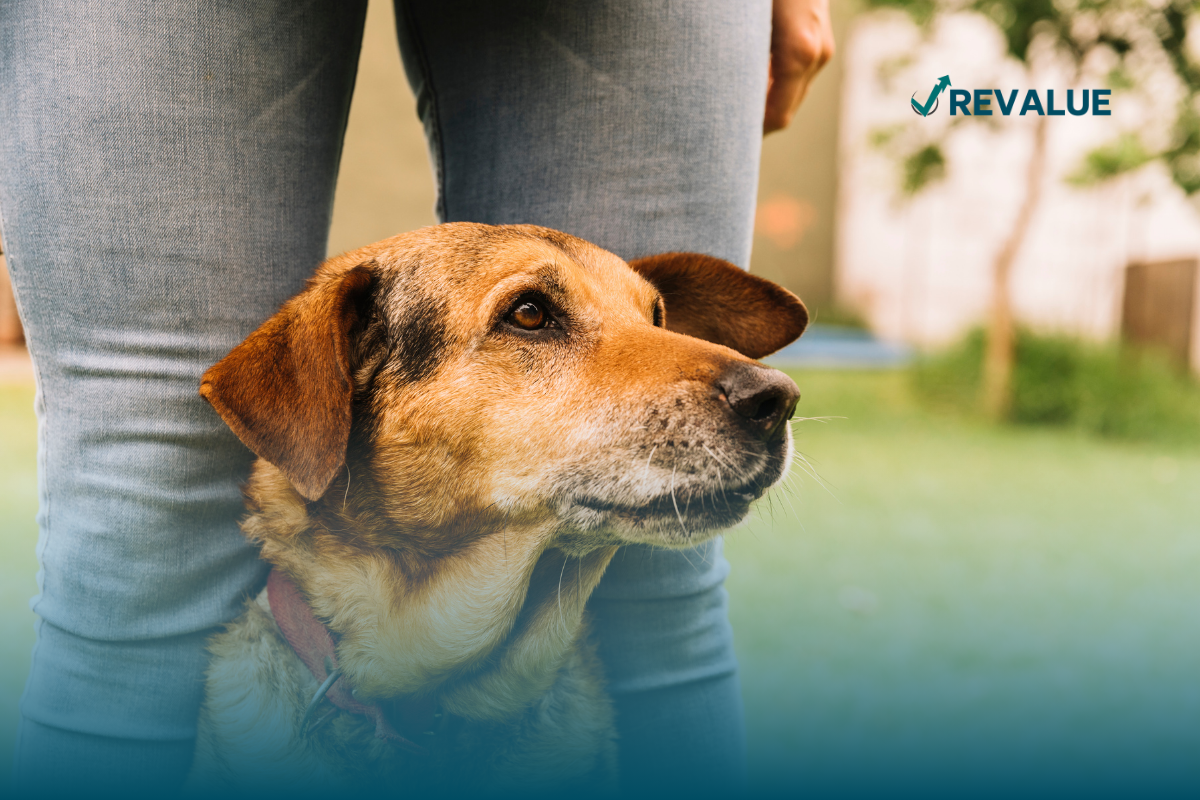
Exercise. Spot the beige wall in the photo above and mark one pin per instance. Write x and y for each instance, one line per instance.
(797, 193)
(10, 326)
(386, 185)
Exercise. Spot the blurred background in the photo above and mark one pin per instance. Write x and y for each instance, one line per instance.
(983, 574)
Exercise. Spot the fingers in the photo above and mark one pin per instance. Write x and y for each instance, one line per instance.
(801, 44)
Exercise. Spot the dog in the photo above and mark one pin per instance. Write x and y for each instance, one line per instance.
(456, 428)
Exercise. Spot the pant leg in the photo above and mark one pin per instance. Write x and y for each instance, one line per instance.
(661, 622)
(636, 125)
(167, 170)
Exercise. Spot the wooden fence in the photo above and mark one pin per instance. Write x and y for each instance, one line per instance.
(1159, 307)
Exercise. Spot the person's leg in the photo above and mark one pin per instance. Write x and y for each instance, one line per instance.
(661, 622)
(167, 170)
(637, 126)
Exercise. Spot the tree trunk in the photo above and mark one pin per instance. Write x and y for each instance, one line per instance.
(1001, 336)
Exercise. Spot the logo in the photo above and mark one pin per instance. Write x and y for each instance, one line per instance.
(931, 102)
(979, 102)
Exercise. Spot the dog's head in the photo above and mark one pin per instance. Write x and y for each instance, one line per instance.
(464, 374)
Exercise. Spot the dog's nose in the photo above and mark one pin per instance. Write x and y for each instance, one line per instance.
(762, 397)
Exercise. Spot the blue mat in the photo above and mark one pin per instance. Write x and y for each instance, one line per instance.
(838, 347)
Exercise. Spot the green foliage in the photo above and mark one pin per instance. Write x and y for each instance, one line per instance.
(1123, 154)
(1110, 391)
(1019, 20)
(1120, 80)
(922, 167)
(1183, 157)
(921, 161)
(884, 137)
(951, 378)
(921, 11)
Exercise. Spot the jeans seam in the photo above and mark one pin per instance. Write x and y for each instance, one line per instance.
(436, 149)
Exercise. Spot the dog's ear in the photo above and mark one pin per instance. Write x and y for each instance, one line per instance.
(286, 390)
(711, 299)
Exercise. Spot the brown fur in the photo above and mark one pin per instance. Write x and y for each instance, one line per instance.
(447, 488)
(713, 300)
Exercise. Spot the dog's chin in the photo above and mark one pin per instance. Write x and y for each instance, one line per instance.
(652, 524)
(682, 518)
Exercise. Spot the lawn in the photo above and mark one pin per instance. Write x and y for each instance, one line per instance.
(18, 565)
(969, 609)
(951, 609)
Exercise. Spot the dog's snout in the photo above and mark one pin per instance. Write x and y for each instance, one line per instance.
(763, 398)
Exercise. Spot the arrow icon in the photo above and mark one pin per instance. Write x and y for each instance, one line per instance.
(924, 110)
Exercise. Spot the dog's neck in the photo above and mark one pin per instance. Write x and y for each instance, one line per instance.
(485, 628)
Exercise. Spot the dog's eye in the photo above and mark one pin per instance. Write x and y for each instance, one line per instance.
(528, 315)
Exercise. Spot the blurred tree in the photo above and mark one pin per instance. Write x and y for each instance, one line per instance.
(1133, 40)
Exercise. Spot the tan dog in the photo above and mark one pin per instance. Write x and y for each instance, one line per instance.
(457, 427)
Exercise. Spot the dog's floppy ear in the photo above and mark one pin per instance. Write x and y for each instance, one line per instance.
(711, 299)
(286, 390)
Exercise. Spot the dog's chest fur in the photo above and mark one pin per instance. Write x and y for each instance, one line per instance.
(258, 690)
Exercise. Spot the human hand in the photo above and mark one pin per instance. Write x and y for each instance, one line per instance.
(801, 43)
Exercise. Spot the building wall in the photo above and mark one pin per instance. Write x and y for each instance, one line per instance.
(10, 325)
(385, 184)
(795, 228)
(920, 269)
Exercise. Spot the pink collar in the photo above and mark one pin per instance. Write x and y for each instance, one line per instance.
(315, 646)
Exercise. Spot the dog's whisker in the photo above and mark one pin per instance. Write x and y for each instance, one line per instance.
(646, 476)
(811, 470)
(788, 500)
(789, 487)
(676, 504)
(688, 560)
(716, 457)
(562, 618)
(720, 475)
(806, 469)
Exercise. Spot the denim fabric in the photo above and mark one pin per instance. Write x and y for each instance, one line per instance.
(634, 124)
(167, 170)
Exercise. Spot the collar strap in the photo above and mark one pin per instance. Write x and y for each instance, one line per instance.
(313, 643)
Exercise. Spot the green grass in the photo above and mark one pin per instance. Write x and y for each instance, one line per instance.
(969, 606)
(18, 564)
(963, 607)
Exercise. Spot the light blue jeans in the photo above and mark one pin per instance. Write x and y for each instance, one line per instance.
(167, 170)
